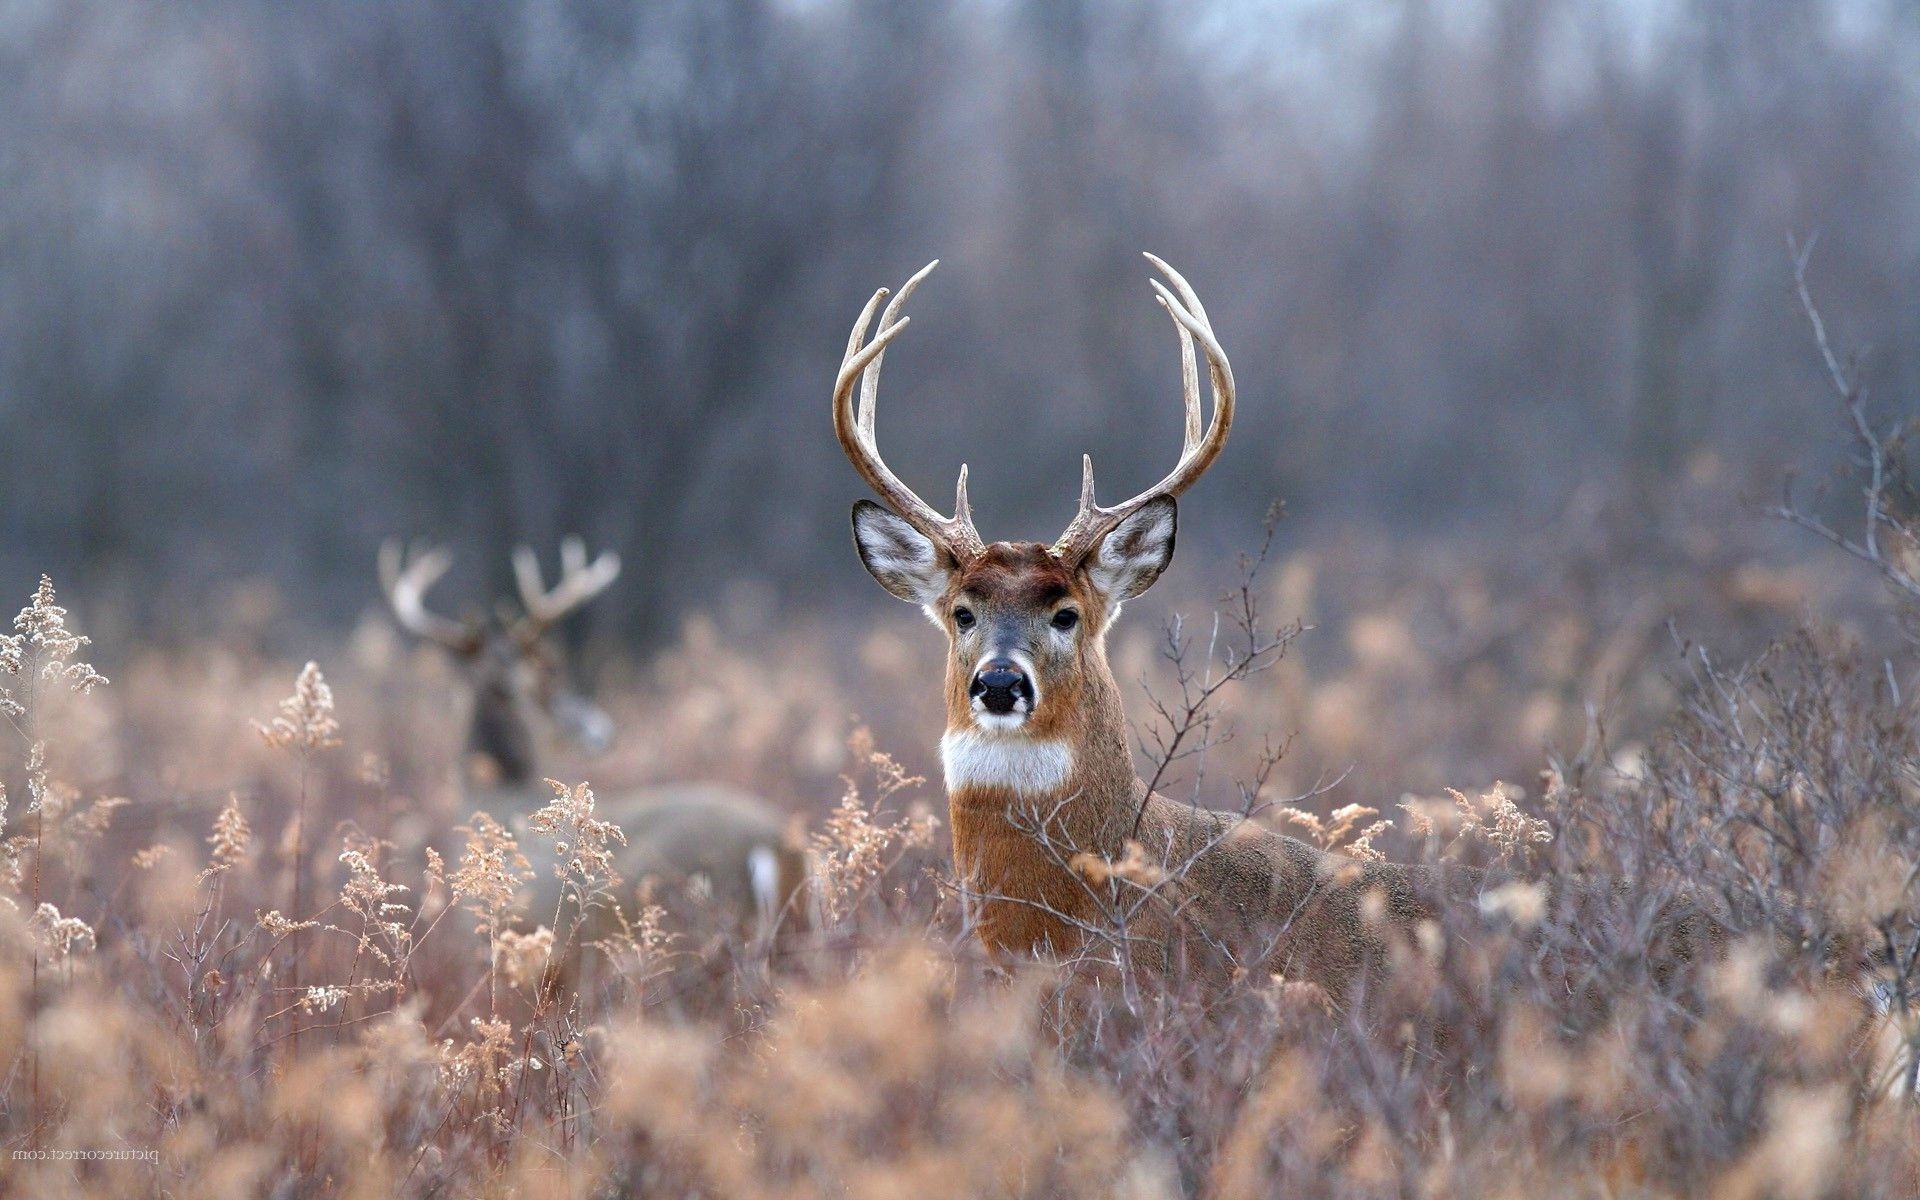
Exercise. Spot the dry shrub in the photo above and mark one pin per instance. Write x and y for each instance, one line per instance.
(898, 1081)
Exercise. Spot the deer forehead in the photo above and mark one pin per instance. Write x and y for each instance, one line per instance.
(1025, 766)
(1019, 576)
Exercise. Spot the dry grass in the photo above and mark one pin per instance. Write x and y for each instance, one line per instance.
(291, 964)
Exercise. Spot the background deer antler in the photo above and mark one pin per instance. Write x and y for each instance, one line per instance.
(580, 581)
(955, 534)
(1197, 453)
(405, 578)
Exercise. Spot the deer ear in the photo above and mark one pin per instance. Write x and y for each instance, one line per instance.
(904, 560)
(1134, 552)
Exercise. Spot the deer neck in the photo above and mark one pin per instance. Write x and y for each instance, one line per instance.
(501, 745)
(1075, 754)
(1071, 774)
(507, 798)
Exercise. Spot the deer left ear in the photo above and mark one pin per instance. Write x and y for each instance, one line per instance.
(904, 560)
(1134, 552)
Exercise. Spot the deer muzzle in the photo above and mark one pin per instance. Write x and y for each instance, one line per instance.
(582, 721)
(1002, 688)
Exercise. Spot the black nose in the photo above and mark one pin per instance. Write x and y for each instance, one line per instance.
(999, 685)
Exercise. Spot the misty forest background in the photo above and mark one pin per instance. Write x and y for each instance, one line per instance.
(278, 281)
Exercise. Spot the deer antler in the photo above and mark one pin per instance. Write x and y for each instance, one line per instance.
(954, 534)
(580, 581)
(405, 579)
(1197, 453)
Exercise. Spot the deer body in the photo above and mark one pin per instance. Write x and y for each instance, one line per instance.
(722, 849)
(1051, 825)
(719, 861)
(702, 850)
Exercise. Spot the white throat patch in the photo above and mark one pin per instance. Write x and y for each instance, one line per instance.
(1019, 764)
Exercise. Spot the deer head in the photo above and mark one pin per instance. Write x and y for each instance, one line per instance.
(517, 673)
(1025, 621)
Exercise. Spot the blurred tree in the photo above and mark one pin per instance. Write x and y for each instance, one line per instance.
(277, 281)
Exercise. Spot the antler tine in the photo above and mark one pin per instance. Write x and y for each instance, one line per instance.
(859, 334)
(405, 579)
(1197, 451)
(1188, 297)
(580, 581)
(855, 429)
(870, 378)
(526, 577)
(1189, 374)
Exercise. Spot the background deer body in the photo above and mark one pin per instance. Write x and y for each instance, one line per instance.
(709, 845)
(1044, 797)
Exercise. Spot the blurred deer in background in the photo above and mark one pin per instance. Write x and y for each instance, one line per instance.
(1040, 780)
(700, 842)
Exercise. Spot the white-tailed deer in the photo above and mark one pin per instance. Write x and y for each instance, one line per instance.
(1036, 754)
(726, 847)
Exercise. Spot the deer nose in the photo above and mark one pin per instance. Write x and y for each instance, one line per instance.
(1000, 685)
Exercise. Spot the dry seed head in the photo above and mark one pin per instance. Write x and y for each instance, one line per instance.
(481, 1064)
(231, 838)
(277, 925)
(852, 850)
(321, 999)
(643, 939)
(37, 787)
(61, 934)
(580, 838)
(1341, 831)
(12, 869)
(43, 636)
(491, 871)
(148, 859)
(522, 957)
(1494, 816)
(1426, 815)
(372, 898)
(92, 822)
(306, 722)
(1134, 865)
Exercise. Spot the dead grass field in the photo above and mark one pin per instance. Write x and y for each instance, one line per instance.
(258, 940)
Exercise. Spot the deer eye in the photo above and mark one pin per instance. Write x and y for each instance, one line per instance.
(1066, 618)
(963, 617)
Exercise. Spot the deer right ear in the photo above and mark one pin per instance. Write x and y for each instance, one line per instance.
(1133, 555)
(904, 560)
